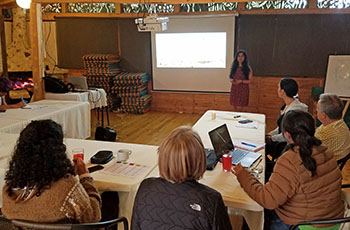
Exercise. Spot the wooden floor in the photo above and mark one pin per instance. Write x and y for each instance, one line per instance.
(152, 127)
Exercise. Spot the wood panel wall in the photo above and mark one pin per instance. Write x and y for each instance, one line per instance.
(262, 99)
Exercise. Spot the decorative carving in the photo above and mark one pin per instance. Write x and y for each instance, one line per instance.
(146, 8)
(211, 7)
(91, 7)
(52, 8)
(333, 4)
(279, 4)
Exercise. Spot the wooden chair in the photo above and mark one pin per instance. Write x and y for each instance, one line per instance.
(343, 161)
(20, 224)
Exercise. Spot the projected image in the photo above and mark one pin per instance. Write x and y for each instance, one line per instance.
(191, 50)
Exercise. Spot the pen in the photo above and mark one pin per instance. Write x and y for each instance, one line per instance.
(251, 145)
(23, 99)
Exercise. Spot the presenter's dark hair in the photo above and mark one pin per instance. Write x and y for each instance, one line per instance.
(39, 157)
(290, 87)
(5, 85)
(301, 127)
(245, 65)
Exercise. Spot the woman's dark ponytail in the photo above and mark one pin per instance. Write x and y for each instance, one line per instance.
(301, 127)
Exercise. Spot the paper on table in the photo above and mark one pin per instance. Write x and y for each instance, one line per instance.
(34, 106)
(248, 145)
(125, 169)
(251, 125)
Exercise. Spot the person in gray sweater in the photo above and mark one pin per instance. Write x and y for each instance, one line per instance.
(288, 92)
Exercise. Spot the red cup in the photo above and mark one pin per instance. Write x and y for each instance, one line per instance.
(78, 155)
(226, 162)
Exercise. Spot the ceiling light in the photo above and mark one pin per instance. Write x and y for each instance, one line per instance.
(25, 4)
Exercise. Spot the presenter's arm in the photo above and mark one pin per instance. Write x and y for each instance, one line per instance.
(250, 77)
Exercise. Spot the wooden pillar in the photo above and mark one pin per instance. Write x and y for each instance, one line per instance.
(36, 33)
(3, 47)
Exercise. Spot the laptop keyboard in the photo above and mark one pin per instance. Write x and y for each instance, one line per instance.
(237, 155)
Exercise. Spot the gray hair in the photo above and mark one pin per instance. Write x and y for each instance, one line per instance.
(331, 105)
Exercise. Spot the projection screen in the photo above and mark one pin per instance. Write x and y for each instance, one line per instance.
(195, 54)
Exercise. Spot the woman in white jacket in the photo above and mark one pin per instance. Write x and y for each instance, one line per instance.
(275, 141)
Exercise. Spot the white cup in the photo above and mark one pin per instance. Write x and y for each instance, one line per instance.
(213, 115)
(123, 154)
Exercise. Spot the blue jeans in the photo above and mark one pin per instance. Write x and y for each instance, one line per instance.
(277, 223)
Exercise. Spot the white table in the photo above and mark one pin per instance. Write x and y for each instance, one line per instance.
(235, 198)
(238, 202)
(73, 116)
(125, 186)
(96, 97)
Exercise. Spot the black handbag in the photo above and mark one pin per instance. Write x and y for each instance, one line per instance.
(103, 133)
(54, 85)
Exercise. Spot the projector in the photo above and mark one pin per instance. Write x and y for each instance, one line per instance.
(151, 23)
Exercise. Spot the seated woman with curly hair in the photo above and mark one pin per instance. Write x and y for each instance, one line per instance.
(41, 185)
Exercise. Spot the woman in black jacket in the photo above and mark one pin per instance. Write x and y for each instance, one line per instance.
(176, 200)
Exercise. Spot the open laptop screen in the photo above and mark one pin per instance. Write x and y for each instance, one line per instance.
(79, 82)
(221, 140)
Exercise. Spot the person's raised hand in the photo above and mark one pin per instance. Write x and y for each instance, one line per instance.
(237, 169)
(80, 167)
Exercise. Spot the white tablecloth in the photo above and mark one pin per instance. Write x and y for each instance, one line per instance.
(96, 97)
(125, 186)
(73, 116)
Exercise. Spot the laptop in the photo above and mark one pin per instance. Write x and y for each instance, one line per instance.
(221, 140)
(79, 83)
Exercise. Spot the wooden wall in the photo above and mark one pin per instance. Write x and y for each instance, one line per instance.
(263, 99)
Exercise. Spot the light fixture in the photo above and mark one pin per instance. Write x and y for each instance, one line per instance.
(25, 4)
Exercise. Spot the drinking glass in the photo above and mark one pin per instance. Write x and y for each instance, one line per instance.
(78, 153)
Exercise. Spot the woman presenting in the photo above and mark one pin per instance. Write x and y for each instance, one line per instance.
(241, 76)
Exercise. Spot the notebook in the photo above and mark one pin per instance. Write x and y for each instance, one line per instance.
(79, 83)
(221, 140)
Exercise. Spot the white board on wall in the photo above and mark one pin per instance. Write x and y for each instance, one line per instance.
(338, 75)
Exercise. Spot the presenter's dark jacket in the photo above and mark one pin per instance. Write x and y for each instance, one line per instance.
(160, 204)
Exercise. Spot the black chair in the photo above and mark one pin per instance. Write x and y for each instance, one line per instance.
(20, 224)
(343, 161)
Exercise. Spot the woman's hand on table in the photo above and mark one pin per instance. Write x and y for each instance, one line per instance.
(237, 169)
